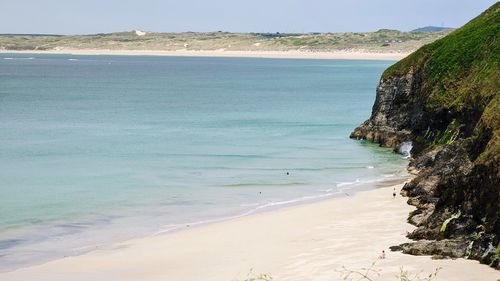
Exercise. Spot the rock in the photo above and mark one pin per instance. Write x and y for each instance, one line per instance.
(452, 119)
(441, 249)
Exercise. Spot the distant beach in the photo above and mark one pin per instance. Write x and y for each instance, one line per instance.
(347, 54)
(307, 242)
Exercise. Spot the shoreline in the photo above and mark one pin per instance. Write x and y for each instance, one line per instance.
(350, 190)
(348, 55)
(306, 200)
(303, 242)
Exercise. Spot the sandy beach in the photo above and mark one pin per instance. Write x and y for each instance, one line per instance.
(351, 54)
(306, 242)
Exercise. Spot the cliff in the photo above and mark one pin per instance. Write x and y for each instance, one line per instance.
(444, 100)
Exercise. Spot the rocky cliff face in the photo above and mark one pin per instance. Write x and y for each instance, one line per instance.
(395, 111)
(445, 100)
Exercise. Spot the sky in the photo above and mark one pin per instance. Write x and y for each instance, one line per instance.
(102, 16)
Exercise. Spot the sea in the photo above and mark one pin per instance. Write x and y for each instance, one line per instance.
(100, 149)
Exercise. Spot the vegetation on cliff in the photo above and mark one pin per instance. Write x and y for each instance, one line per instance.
(461, 74)
(445, 99)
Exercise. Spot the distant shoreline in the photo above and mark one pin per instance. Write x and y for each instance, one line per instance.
(349, 55)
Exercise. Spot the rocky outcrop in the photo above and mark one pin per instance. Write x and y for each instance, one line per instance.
(445, 100)
(393, 112)
(438, 249)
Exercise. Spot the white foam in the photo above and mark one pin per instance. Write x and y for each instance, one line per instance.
(173, 227)
(29, 58)
(405, 148)
(167, 228)
(348, 183)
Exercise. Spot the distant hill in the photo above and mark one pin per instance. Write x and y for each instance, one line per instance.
(384, 40)
(431, 28)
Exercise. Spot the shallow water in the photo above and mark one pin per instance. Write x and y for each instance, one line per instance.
(95, 149)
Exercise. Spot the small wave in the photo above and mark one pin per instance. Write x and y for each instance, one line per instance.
(73, 59)
(384, 177)
(370, 167)
(214, 155)
(167, 228)
(249, 204)
(86, 248)
(295, 200)
(263, 184)
(9, 243)
(341, 184)
(28, 58)
(259, 207)
(280, 169)
(73, 225)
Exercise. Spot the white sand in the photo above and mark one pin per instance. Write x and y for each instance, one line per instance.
(307, 242)
(354, 54)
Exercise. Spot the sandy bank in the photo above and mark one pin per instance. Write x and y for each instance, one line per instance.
(308, 242)
(354, 55)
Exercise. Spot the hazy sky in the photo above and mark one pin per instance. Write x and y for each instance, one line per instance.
(94, 16)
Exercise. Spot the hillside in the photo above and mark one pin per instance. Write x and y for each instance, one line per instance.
(445, 99)
(383, 40)
(430, 28)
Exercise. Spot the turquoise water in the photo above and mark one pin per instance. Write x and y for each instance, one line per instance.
(95, 149)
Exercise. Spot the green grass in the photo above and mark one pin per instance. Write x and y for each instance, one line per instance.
(449, 135)
(447, 221)
(496, 255)
(461, 75)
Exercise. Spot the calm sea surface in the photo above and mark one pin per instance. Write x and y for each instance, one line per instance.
(97, 149)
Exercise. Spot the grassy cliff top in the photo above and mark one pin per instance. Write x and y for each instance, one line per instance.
(384, 40)
(461, 75)
(460, 65)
